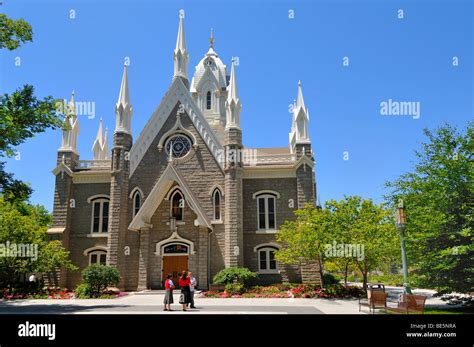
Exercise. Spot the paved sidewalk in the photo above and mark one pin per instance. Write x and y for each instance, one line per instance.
(150, 302)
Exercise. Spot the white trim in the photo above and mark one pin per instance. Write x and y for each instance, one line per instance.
(174, 238)
(267, 270)
(267, 245)
(177, 191)
(176, 130)
(97, 196)
(134, 190)
(255, 172)
(167, 180)
(56, 230)
(133, 195)
(214, 187)
(267, 229)
(171, 192)
(266, 192)
(62, 168)
(98, 235)
(217, 190)
(100, 201)
(177, 93)
(95, 248)
(82, 177)
(98, 253)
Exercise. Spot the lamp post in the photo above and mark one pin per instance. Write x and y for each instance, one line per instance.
(401, 223)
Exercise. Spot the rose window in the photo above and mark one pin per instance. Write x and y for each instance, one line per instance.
(180, 145)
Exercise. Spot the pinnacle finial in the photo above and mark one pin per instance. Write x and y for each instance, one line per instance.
(211, 39)
(300, 100)
(170, 158)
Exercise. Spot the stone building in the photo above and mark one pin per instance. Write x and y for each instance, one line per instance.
(186, 193)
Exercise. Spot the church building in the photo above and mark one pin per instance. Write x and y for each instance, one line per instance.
(185, 193)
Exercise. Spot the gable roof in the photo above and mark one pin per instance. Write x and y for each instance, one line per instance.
(176, 93)
(158, 193)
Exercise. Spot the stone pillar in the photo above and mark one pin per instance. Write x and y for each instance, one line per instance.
(202, 258)
(305, 177)
(118, 208)
(306, 190)
(143, 259)
(233, 199)
(62, 210)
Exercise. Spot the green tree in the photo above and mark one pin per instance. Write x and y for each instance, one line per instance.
(370, 226)
(340, 222)
(14, 32)
(23, 224)
(303, 239)
(439, 202)
(22, 115)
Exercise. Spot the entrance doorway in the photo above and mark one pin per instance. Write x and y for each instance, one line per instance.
(175, 260)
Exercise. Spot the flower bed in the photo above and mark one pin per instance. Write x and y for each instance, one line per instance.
(291, 291)
(49, 293)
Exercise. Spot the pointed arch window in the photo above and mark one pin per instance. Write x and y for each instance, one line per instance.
(177, 206)
(137, 202)
(208, 100)
(216, 203)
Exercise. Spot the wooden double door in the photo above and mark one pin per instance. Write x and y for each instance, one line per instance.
(174, 265)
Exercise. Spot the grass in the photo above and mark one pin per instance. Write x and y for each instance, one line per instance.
(454, 310)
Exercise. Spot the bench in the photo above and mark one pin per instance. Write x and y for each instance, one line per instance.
(376, 298)
(409, 303)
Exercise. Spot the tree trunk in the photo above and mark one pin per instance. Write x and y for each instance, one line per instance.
(321, 270)
(346, 270)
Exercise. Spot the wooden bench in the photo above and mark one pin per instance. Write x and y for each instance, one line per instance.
(377, 301)
(409, 303)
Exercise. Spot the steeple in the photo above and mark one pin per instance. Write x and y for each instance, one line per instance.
(233, 105)
(100, 148)
(71, 128)
(300, 100)
(300, 118)
(181, 56)
(123, 108)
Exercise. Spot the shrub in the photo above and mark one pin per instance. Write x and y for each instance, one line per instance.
(330, 279)
(234, 274)
(83, 291)
(234, 288)
(99, 277)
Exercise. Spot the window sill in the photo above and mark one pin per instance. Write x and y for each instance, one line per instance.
(178, 222)
(98, 235)
(267, 231)
(268, 272)
(217, 222)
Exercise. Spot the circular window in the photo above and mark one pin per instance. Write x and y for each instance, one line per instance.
(180, 145)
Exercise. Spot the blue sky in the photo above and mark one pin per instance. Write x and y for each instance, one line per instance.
(407, 59)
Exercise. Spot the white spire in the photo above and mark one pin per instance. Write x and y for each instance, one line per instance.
(180, 56)
(123, 108)
(105, 147)
(300, 100)
(233, 105)
(301, 118)
(100, 148)
(299, 124)
(71, 127)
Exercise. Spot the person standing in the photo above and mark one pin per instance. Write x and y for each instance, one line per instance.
(184, 283)
(169, 286)
(192, 288)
